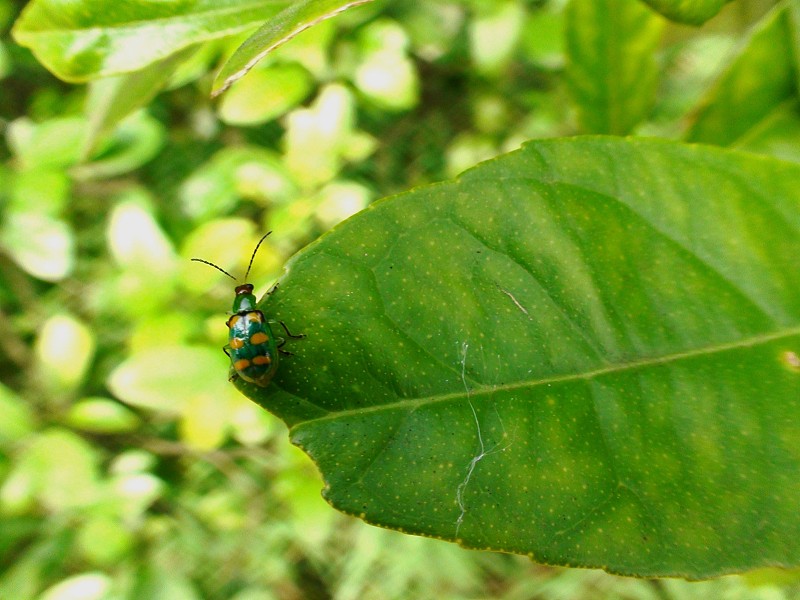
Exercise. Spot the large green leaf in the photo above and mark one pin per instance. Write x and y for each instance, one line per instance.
(611, 70)
(297, 17)
(84, 39)
(693, 12)
(760, 79)
(585, 350)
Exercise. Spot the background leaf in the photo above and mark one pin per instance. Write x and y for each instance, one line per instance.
(297, 17)
(777, 134)
(585, 351)
(756, 84)
(111, 99)
(693, 12)
(611, 68)
(266, 95)
(82, 39)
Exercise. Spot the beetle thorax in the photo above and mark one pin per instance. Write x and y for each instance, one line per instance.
(244, 300)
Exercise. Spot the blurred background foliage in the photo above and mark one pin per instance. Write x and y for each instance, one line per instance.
(129, 467)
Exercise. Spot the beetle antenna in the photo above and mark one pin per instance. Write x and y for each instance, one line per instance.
(210, 264)
(250, 264)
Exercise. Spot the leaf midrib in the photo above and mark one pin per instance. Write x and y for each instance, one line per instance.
(410, 403)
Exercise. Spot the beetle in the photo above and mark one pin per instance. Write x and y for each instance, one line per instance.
(252, 347)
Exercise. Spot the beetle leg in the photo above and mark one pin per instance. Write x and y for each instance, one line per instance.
(281, 343)
(290, 334)
(225, 350)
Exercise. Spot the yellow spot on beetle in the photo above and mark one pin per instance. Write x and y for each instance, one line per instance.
(255, 317)
(259, 338)
(261, 360)
(233, 320)
(241, 364)
(237, 343)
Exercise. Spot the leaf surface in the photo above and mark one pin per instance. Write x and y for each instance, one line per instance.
(85, 39)
(585, 351)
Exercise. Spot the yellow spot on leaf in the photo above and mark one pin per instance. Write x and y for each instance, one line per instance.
(791, 360)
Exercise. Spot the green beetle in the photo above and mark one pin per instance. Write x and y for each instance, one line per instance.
(252, 347)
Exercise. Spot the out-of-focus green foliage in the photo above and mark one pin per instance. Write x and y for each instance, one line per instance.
(295, 18)
(612, 68)
(688, 11)
(758, 82)
(115, 485)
